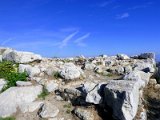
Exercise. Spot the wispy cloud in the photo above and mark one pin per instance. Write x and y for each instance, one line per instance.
(38, 38)
(105, 3)
(6, 41)
(79, 41)
(67, 39)
(141, 6)
(137, 7)
(122, 16)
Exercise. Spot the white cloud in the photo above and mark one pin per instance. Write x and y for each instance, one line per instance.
(67, 39)
(79, 41)
(137, 7)
(105, 3)
(122, 16)
(141, 6)
(6, 41)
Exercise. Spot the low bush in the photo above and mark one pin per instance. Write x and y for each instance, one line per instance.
(6, 67)
(56, 75)
(13, 77)
(8, 71)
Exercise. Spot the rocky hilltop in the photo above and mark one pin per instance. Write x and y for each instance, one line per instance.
(97, 88)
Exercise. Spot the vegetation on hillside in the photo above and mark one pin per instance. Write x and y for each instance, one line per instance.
(9, 71)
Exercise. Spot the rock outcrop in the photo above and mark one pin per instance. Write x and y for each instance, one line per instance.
(123, 97)
(92, 88)
(19, 56)
(14, 97)
(70, 71)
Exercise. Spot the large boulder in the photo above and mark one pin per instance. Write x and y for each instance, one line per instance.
(94, 92)
(94, 96)
(14, 97)
(89, 66)
(147, 55)
(146, 66)
(122, 57)
(70, 71)
(123, 97)
(140, 76)
(31, 71)
(20, 57)
(3, 49)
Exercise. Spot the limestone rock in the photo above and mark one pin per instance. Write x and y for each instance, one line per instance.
(84, 114)
(123, 97)
(12, 98)
(51, 85)
(147, 55)
(88, 86)
(31, 71)
(70, 72)
(122, 57)
(22, 83)
(89, 66)
(127, 69)
(2, 83)
(30, 107)
(140, 76)
(146, 66)
(20, 57)
(0, 58)
(93, 92)
(49, 110)
(119, 70)
(98, 69)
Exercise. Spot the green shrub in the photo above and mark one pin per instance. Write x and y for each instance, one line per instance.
(6, 67)
(8, 118)
(8, 71)
(68, 105)
(44, 93)
(56, 75)
(13, 77)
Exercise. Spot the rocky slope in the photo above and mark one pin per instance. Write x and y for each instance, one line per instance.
(98, 88)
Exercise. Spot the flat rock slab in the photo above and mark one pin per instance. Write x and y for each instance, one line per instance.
(23, 83)
(30, 107)
(14, 97)
(49, 110)
(123, 97)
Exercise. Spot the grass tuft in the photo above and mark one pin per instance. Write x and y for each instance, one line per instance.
(44, 93)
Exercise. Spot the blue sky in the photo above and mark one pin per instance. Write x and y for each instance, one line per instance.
(75, 27)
